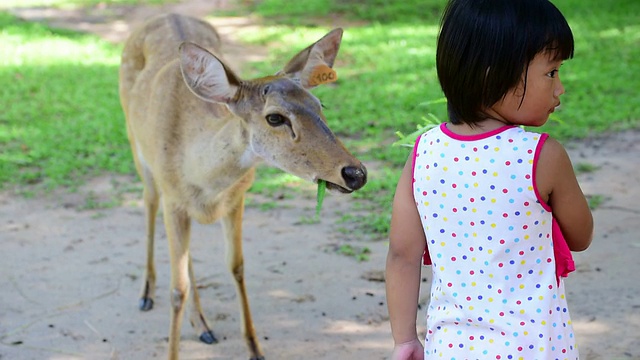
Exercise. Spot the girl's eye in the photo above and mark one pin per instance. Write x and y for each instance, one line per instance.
(553, 73)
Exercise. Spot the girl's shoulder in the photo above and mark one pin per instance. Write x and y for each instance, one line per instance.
(552, 155)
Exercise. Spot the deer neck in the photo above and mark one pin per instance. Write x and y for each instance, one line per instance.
(218, 153)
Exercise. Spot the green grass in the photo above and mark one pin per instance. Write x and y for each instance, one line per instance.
(381, 11)
(359, 253)
(595, 201)
(61, 121)
(601, 81)
(583, 167)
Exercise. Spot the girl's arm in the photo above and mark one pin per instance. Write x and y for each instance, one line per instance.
(407, 243)
(559, 187)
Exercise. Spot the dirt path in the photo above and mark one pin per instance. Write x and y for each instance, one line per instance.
(70, 273)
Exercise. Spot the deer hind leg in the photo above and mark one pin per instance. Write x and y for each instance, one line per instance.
(177, 224)
(196, 317)
(232, 225)
(151, 201)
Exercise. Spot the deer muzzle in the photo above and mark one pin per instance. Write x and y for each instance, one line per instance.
(354, 178)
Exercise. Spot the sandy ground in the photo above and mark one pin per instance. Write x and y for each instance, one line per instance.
(70, 276)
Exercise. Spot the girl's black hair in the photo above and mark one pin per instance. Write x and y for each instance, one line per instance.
(485, 47)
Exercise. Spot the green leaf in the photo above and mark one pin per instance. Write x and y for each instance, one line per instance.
(322, 188)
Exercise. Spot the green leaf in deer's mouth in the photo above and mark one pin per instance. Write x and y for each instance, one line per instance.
(322, 188)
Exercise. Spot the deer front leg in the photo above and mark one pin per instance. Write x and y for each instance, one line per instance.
(151, 201)
(232, 225)
(196, 317)
(177, 224)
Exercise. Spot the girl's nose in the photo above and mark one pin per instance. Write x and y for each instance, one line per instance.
(559, 89)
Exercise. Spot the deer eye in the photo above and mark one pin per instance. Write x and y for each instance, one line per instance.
(275, 119)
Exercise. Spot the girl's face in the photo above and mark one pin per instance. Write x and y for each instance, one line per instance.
(542, 94)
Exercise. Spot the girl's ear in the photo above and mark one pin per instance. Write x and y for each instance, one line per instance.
(314, 65)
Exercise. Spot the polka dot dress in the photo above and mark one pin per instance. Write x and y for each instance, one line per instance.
(494, 293)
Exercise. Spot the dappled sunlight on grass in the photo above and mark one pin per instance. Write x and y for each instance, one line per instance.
(601, 90)
(628, 34)
(35, 44)
(272, 180)
(54, 52)
(63, 119)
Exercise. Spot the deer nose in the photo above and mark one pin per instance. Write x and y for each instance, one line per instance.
(355, 177)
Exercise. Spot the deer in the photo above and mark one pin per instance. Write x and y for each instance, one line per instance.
(197, 132)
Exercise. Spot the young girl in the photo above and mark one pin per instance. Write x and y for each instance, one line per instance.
(481, 193)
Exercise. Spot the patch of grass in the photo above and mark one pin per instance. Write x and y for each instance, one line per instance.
(308, 220)
(62, 119)
(582, 168)
(291, 9)
(375, 224)
(93, 202)
(276, 183)
(267, 206)
(599, 82)
(595, 201)
(357, 252)
(381, 11)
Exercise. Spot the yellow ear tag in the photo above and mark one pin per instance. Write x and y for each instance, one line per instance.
(322, 74)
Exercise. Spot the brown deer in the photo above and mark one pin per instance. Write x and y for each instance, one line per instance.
(197, 131)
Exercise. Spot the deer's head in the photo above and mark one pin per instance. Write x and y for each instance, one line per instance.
(284, 121)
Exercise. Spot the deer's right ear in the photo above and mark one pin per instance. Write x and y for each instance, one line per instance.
(314, 65)
(205, 75)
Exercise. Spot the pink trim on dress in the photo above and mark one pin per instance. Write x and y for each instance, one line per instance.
(426, 260)
(413, 161)
(485, 135)
(561, 252)
(536, 157)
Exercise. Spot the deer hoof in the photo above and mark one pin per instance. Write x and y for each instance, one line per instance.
(207, 337)
(145, 304)
(257, 358)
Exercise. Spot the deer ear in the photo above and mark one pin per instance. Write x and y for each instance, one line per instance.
(314, 65)
(206, 75)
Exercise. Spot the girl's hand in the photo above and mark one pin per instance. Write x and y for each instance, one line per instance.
(411, 350)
